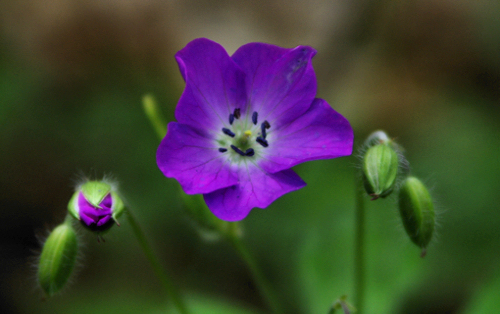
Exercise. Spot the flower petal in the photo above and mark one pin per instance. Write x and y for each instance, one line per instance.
(215, 85)
(320, 133)
(107, 202)
(192, 157)
(281, 83)
(255, 189)
(92, 215)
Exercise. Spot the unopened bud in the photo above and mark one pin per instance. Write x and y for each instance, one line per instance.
(417, 212)
(380, 165)
(58, 259)
(96, 205)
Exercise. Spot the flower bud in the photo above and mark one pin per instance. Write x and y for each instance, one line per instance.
(417, 211)
(380, 165)
(96, 205)
(58, 259)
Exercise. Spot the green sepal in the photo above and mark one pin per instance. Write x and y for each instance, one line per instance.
(118, 207)
(95, 191)
(208, 225)
(417, 211)
(58, 259)
(73, 206)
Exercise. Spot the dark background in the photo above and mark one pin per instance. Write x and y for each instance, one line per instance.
(72, 74)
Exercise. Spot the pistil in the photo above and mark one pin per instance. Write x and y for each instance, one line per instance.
(242, 143)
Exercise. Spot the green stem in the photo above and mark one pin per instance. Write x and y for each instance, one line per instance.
(359, 246)
(155, 263)
(154, 115)
(262, 283)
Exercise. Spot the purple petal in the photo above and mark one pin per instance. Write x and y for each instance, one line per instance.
(107, 202)
(320, 133)
(281, 83)
(91, 215)
(192, 157)
(256, 189)
(215, 85)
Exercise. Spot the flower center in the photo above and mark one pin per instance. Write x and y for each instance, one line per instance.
(243, 138)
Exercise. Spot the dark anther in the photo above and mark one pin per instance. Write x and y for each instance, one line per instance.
(231, 118)
(222, 150)
(239, 151)
(254, 117)
(266, 124)
(263, 130)
(228, 132)
(237, 113)
(249, 152)
(262, 141)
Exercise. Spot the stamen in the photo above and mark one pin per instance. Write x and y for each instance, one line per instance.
(266, 124)
(239, 151)
(263, 130)
(262, 141)
(237, 113)
(254, 117)
(228, 132)
(222, 150)
(231, 118)
(249, 152)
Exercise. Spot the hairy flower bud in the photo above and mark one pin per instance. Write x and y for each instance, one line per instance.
(57, 259)
(96, 205)
(380, 165)
(417, 211)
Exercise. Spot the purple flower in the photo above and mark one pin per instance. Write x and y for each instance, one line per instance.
(244, 121)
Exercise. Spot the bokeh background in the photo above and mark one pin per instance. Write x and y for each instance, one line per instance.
(72, 74)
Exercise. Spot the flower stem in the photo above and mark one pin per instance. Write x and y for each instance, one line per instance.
(359, 245)
(160, 272)
(154, 115)
(261, 282)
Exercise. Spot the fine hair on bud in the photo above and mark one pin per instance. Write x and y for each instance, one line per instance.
(58, 258)
(382, 164)
(417, 212)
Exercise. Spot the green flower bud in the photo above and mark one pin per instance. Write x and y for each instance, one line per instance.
(58, 259)
(380, 166)
(96, 205)
(417, 211)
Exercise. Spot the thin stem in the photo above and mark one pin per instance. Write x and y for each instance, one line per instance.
(160, 272)
(359, 246)
(154, 115)
(262, 283)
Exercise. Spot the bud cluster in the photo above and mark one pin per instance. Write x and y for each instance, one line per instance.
(97, 206)
(382, 168)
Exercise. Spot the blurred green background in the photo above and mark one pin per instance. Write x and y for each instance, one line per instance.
(72, 74)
